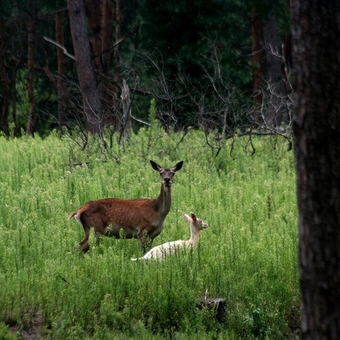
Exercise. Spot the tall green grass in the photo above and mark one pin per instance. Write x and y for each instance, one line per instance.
(248, 255)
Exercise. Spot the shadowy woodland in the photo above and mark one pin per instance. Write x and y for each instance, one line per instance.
(96, 64)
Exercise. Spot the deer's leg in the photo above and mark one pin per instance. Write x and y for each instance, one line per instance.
(84, 243)
(145, 241)
(100, 230)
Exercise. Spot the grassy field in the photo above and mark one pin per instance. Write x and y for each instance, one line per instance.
(247, 256)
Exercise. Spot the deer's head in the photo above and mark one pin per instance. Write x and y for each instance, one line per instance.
(167, 174)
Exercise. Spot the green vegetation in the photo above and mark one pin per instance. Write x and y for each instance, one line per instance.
(248, 255)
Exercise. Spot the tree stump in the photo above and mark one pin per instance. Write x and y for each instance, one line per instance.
(216, 305)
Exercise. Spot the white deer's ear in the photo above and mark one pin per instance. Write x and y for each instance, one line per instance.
(193, 216)
(187, 217)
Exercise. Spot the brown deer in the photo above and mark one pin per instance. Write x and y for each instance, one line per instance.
(142, 218)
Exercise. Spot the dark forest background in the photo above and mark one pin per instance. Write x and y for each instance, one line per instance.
(97, 64)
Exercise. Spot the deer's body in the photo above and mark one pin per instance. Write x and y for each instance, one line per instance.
(141, 218)
(168, 248)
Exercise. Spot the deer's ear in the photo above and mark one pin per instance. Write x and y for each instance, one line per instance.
(178, 166)
(155, 165)
(193, 216)
(187, 217)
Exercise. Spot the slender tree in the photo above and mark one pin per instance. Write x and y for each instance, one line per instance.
(101, 15)
(316, 124)
(30, 78)
(269, 76)
(4, 99)
(277, 82)
(86, 77)
(256, 58)
(9, 63)
(109, 95)
(61, 81)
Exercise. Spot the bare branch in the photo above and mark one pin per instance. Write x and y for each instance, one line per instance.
(60, 46)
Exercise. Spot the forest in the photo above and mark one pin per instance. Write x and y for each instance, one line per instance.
(243, 95)
(97, 64)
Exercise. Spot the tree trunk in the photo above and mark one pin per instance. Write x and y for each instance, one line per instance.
(277, 89)
(116, 54)
(107, 19)
(126, 106)
(87, 82)
(107, 87)
(316, 126)
(14, 100)
(100, 16)
(61, 81)
(30, 78)
(4, 100)
(256, 62)
(93, 15)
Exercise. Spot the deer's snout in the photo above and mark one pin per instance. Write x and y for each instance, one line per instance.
(167, 181)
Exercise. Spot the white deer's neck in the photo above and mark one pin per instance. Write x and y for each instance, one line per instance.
(194, 235)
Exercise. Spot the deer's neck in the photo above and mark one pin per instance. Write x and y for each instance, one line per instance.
(194, 235)
(163, 201)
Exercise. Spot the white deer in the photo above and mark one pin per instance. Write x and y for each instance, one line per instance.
(168, 248)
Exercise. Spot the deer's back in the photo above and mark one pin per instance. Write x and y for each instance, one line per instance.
(129, 215)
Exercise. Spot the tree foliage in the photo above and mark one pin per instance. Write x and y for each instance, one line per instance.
(193, 57)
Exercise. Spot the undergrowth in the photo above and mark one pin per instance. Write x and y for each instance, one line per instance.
(247, 256)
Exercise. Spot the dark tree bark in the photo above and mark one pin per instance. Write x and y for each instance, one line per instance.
(256, 60)
(100, 16)
(107, 87)
(30, 78)
(14, 99)
(87, 81)
(61, 81)
(107, 19)
(126, 105)
(117, 121)
(119, 22)
(93, 15)
(16, 63)
(4, 98)
(316, 124)
(278, 111)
